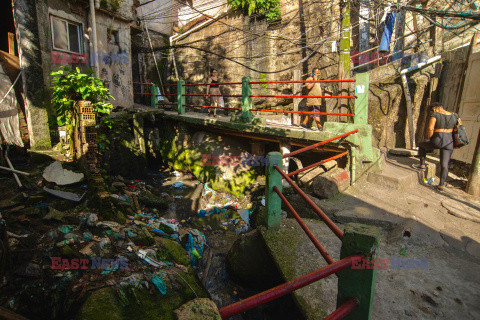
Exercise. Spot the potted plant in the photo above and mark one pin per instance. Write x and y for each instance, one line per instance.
(71, 87)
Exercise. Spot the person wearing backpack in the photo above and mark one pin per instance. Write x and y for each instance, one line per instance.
(440, 134)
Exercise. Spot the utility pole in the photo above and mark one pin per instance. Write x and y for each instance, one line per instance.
(473, 184)
(344, 58)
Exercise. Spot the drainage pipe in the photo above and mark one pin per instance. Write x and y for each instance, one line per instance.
(94, 39)
(406, 90)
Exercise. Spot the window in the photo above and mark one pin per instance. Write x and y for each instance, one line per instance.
(66, 36)
(113, 37)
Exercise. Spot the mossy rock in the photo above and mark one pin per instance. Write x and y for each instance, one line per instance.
(63, 205)
(172, 251)
(176, 150)
(144, 238)
(249, 263)
(31, 211)
(119, 217)
(198, 309)
(105, 304)
(68, 252)
(151, 200)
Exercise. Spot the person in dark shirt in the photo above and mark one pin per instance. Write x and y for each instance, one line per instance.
(440, 135)
(213, 88)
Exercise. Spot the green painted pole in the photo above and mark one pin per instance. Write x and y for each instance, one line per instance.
(246, 100)
(344, 58)
(180, 96)
(361, 102)
(273, 201)
(345, 44)
(359, 280)
(353, 165)
(153, 97)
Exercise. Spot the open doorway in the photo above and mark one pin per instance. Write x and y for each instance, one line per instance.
(7, 34)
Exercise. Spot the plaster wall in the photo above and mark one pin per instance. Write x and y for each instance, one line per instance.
(114, 57)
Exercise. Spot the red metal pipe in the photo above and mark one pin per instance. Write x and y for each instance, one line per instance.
(292, 96)
(208, 107)
(210, 84)
(302, 224)
(304, 81)
(312, 205)
(306, 112)
(343, 310)
(286, 288)
(144, 93)
(317, 164)
(213, 95)
(158, 85)
(318, 144)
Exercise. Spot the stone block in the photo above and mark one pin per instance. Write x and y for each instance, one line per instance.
(394, 177)
(198, 309)
(307, 177)
(331, 183)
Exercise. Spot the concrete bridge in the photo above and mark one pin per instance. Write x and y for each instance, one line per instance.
(261, 128)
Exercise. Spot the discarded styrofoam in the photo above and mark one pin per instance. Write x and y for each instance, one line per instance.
(64, 194)
(55, 173)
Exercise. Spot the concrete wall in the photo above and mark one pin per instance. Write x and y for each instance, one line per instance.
(118, 74)
(252, 46)
(25, 15)
(115, 61)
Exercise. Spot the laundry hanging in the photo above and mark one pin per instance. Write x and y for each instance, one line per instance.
(387, 32)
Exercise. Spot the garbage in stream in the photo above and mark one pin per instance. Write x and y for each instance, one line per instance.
(79, 251)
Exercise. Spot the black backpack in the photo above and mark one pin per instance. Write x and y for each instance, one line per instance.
(460, 138)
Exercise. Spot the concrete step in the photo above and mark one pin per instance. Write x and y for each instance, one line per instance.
(394, 177)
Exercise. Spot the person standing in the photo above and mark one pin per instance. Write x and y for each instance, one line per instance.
(213, 88)
(440, 135)
(314, 104)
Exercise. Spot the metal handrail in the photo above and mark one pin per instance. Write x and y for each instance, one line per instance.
(309, 201)
(302, 224)
(317, 164)
(288, 287)
(319, 144)
(343, 310)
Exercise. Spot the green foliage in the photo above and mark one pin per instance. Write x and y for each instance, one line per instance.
(269, 8)
(70, 85)
(263, 78)
(112, 5)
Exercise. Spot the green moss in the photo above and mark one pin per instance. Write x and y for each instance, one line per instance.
(144, 237)
(105, 304)
(43, 143)
(100, 305)
(172, 251)
(250, 263)
(283, 246)
(165, 228)
(151, 200)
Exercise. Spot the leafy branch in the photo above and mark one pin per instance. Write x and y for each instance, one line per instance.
(269, 8)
